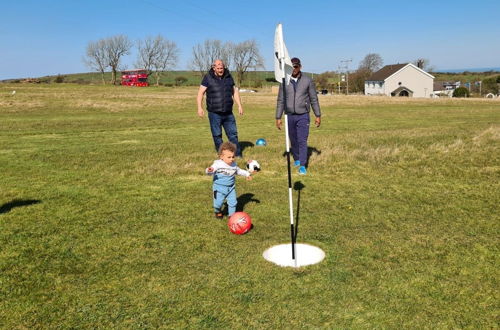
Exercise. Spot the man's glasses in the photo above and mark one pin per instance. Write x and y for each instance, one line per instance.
(296, 66)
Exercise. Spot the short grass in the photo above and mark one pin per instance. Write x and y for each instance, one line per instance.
(106, 219)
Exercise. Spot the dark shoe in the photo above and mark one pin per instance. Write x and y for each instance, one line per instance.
(219, 215)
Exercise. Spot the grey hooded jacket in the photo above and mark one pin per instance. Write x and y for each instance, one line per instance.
(299, 98)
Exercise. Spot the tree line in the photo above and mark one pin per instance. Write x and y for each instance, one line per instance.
(158, 55)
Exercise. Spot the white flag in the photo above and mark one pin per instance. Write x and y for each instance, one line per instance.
(282, 63)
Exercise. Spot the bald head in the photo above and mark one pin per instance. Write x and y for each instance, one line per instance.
(218, 67)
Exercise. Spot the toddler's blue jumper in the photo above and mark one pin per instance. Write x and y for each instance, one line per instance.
(224, 184)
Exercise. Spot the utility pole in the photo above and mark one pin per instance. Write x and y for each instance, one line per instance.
(346, 67)
(340, 77)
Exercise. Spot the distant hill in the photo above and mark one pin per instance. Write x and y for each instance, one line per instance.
(253, 79)
(463, 76)
(471, 70)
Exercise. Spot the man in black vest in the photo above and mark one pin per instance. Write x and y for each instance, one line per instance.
(221, 92)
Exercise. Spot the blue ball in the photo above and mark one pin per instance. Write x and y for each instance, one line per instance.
(261, 142)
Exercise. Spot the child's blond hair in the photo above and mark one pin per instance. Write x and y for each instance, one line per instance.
(227, 146)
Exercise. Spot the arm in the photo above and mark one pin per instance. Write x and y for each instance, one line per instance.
(237, 99)
(245, 173)
(212, 169)
(280, 104)
(313, 96)
(199, 100)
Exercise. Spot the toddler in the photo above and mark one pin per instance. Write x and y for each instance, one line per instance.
(224, 171)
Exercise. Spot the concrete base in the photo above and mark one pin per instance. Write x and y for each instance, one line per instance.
(305, 255)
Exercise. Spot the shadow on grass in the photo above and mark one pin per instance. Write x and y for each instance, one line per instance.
(298, 186)
(310, 151)
(17, 203)
(244, 200)
(244, 145)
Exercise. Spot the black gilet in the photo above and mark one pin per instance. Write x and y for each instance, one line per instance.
(220, 92)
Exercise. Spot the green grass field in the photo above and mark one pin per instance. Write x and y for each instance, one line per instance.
(106, 218)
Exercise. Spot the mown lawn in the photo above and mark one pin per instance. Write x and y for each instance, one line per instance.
(106, 218)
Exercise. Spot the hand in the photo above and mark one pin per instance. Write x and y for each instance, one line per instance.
(210, 170)
(249, 178)
(278, 123)
(240, 110)
(317, 122)
(201, 112)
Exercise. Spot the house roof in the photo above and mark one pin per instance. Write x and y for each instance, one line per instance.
(386, 72)
(391, 69)
(438, 85)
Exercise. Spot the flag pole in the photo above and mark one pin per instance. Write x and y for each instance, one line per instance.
(287, 143)
(290, 200)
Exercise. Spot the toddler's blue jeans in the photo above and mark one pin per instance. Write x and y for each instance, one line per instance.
(222, 193)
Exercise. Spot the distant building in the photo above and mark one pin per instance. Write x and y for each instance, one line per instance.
(445, 88)
(400, 80)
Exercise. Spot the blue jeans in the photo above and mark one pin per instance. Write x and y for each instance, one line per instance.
(222, 193)
(217, 121)
(298, 131)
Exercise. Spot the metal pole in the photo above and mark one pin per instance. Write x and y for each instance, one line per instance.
(340, 78)
(347, 82)
(346, 67)
(287, 143)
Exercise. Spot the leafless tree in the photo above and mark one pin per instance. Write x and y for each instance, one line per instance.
(116, 47)
(246, 56)
(167, 58)
(423, 64)
(227, 54)
(148, 51)
(205, 54)
(371, 63)
(157, 55)
(96, 58)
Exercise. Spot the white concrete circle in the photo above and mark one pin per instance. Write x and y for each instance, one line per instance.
(305, 255)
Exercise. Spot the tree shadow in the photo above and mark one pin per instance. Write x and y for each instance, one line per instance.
(310, 151)
(244, 145)
(17, 203)
(297, 186)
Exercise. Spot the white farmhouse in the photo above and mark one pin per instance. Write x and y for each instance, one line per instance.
(400, 80)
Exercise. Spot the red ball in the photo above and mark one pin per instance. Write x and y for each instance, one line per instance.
(239, 223)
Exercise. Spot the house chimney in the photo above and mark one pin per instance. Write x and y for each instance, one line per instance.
(420, 64)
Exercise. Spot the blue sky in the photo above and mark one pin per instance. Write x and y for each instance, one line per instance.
(48, 37)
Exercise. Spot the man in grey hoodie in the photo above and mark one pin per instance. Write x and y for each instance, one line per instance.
(300, 97)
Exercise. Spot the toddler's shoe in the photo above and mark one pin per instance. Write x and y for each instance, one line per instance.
(296, 163)
(219, 215)
(302, 170)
